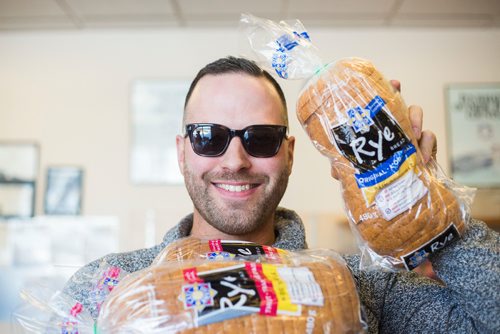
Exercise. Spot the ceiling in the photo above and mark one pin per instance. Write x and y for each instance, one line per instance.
(92, 14)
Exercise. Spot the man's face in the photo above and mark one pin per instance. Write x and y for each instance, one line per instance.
(236, 193)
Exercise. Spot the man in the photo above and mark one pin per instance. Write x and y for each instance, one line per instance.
(236, 158)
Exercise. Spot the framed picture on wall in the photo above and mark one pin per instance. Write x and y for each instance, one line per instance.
(156, 118)
(474, 133)
(18, 175)
(63, 191)
(17, 200)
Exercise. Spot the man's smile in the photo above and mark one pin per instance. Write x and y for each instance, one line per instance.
(235, 188)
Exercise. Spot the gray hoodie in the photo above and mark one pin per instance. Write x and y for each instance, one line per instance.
(467, 302)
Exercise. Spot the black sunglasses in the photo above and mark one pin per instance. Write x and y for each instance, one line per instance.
(212, 140)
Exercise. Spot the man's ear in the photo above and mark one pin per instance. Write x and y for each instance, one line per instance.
(180, 144)
(290, 150)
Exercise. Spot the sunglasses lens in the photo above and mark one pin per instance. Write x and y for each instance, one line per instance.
(209, 140)
(263, 141)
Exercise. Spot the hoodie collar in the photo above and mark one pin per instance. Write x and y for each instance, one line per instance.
(289, 229)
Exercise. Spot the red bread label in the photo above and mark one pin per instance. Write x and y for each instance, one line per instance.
(191, 275)
(269, 302)
(215, 245)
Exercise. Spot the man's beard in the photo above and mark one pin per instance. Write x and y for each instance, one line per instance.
(236, 218)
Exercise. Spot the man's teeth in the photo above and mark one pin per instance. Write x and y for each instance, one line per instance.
(234, 188)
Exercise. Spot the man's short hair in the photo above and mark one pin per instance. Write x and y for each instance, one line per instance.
(232, 64)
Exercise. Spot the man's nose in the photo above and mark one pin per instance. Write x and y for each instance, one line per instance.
(236, 158)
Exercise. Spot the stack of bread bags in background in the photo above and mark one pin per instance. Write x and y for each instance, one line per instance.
(400, 210)
(209, 286)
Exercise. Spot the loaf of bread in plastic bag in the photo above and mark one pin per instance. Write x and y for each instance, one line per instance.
(395, 203)
(309, 292)
(191, 248)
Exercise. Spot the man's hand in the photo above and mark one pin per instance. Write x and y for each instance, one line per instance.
(426, 139)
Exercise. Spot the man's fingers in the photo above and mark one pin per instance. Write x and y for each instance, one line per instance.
(396, 85)
(416, 119)
(428, 145)
(426, 139)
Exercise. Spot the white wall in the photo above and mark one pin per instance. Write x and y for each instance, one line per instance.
(70, 92)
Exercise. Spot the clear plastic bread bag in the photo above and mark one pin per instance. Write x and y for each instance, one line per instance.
(304, 292)
(400, 209)
(50, 311)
